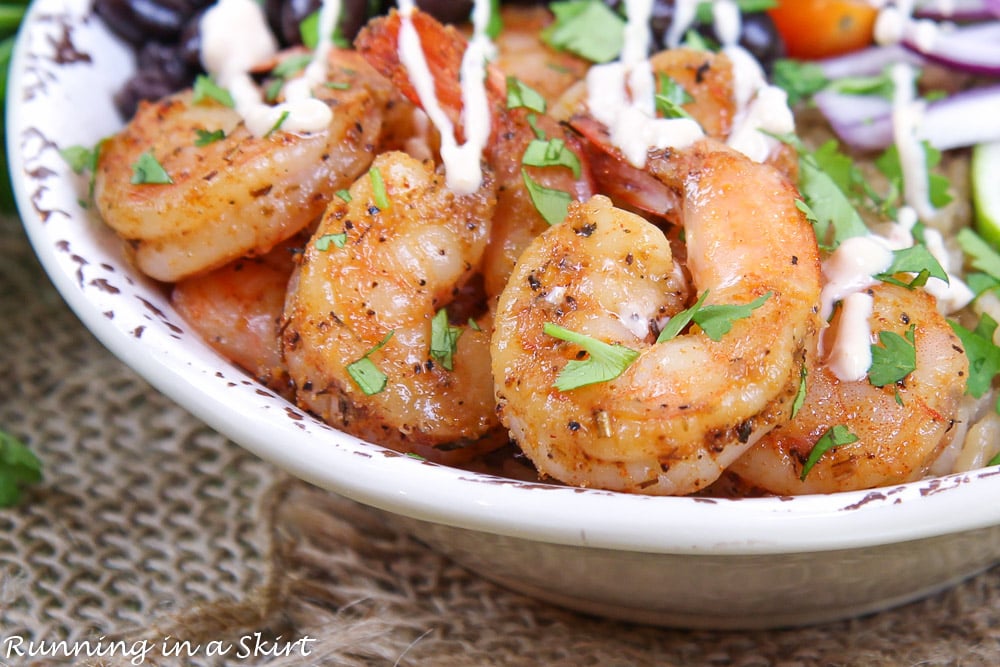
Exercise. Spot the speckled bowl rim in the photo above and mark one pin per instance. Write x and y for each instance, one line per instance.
(65, 68)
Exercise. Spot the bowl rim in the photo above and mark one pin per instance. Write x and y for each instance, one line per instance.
(429, 492)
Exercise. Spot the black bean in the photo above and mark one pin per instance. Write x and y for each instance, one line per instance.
(137, 21)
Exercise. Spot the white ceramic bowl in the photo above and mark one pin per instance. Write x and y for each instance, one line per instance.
(674, 561)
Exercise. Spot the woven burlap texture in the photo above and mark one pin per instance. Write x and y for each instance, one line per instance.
(149, 525)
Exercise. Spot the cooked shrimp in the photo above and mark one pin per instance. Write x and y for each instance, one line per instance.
(707, 78)
(521, 53)
(402, 260)
(900, 428)
(237, 196)
(237, 310)
(687, 407)
(516, 219)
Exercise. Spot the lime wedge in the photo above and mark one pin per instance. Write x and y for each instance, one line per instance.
(986, 190)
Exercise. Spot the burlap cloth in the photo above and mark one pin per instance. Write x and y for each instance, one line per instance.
(149, 525)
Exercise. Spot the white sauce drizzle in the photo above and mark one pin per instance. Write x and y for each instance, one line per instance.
(621, 95)
(685, 12)
(851, 356)
(235, 37)
(907, 114)
(463, 169)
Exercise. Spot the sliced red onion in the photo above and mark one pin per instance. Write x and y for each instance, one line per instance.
(957, 10)
(865, 121)
(868, 62)
(973, 48)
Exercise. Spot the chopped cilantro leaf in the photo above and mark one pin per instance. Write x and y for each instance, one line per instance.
(836, 436)
(323, 242)
(587, 28)
(671, 97)
(799, 79)
(147, 170)
(606, 361)
(378, 189)
(344, 196)
(938, 186)
(982, 256)
(677, 323)
(984, 356)
(880, 85)
(277, 124)
(495, 24)
(551, 153)
(519, 94)
(444, 340)
(80, 158)
(715, 320)
(366, 374)
(205, 89)
(800, 395)
(206, 137)
(833, 216)
(894, 359)
(915, 259)
(18, 466)
(551, 204)
(704, 9)
(995, 460)
(309, 32)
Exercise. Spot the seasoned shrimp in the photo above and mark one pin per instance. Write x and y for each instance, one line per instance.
(407, 247)
(900, 428)
(686, 407)
(237, 309)
(237, 196)
(521, 53)
(517, 219)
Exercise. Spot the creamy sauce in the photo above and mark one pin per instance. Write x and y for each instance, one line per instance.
(235, 37)
(851, 354)
(463, 169)
(621, 95)
(907, 114)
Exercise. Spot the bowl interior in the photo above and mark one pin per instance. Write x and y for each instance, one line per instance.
(66, 68)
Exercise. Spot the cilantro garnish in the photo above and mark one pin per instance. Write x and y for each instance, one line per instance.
(519, 94)
(983, 258)
(283, 71)
(606, 361)
(798, 78)
(984, 356)
(366, 374)
(587, 28)
(309, 32)
(994, 461)
(205, 89)
(937, 185)
(551, 204)
(378, 189)
(148, 171)
(715, 320)
(324, 242)
(344, 196)
(834, 437)
(205, 137)
(551, 153)
(495, 24)
(826, 204)
(704, 9)
(800, 395)
(82, 160)
(670, 98)
(880, 85)
(18, 466)
(277, 124)
(894, 358)
(444, 340)
(915, 259)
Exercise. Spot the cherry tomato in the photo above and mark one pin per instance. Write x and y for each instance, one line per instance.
(823, 28)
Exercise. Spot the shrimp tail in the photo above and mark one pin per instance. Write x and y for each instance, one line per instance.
(443, 48)
(628, 187)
